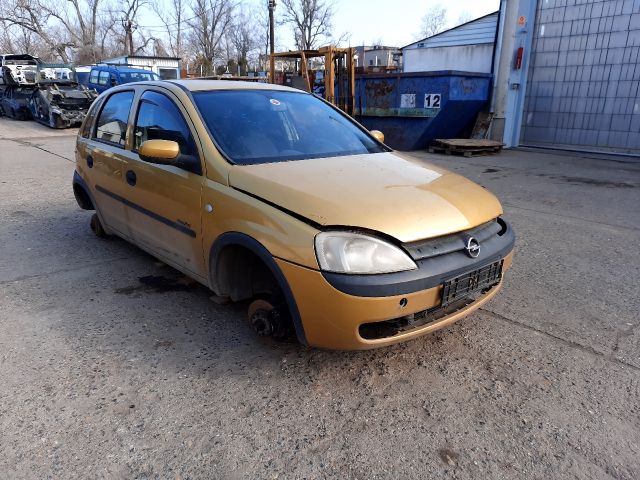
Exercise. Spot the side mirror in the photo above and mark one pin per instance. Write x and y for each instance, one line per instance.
(378, 135)
(159, 151)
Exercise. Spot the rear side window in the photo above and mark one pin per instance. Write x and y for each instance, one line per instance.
(111, 126)
(128, 77)
(103, 79)
(93, 78)
(159, 119)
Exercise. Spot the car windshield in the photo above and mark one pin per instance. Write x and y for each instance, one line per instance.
(128, 77)
(263, 126)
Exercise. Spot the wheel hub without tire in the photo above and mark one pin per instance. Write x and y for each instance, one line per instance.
(266, 319)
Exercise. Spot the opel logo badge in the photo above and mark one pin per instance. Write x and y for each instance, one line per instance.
(472, 247)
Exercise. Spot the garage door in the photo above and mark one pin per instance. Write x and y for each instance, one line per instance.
(583, 88)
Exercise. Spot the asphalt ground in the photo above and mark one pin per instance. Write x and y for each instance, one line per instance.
(113, 365)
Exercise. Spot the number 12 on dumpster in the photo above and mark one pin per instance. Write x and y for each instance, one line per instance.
(432, 100)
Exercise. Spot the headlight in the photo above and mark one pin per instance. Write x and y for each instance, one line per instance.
(345, 252)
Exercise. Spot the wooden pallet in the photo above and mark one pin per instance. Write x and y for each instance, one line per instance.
(469, 147)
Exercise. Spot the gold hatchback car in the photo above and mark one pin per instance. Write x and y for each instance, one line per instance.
(270, 195)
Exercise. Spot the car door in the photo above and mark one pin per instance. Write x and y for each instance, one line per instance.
(164, 208)
(104, 158)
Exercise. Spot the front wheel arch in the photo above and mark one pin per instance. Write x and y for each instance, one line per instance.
(237, 239)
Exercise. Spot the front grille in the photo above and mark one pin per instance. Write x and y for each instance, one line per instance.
(454, 242)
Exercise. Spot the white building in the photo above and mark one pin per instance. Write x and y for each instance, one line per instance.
(377, 56)
(467, 47)
(167, 67)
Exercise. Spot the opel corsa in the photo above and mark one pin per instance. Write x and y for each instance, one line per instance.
(272, 196)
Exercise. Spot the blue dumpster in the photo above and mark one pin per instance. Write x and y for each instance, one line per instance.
(412, 109)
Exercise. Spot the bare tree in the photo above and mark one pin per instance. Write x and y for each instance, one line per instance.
(464, 17)
(68, 28)
(19, 39)
(78, 20)
(33, 16)
(310, 20)
(129, 11)
(434, 21)
(174, 22)
(211, 21)
(111, 39)
(243, 39)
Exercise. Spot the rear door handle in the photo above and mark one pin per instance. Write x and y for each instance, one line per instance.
(131, 177)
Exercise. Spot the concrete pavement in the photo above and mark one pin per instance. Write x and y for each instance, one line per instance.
(105, 373)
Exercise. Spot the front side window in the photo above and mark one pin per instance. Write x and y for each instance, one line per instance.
(85, 130)
(159, 119)
(103, 79)
(93, 77)
(111, 126)
(262, 126)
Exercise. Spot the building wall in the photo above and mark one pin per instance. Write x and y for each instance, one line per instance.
(583, 88)
(468, 47)
(481, 30)
(468, 58)
(367, 56)
(155, 64)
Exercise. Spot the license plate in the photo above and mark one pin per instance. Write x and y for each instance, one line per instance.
(471, 282)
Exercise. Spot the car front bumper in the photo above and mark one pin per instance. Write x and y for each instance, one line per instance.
(332, 318)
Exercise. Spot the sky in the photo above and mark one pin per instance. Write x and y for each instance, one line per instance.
(396, 23)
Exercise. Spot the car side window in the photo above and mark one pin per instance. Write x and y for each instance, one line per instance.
(93, 76)
(111, 126)
(85, 130)
(104, 78)
(159, 119)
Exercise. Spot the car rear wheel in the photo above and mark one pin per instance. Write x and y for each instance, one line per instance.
(97, 228)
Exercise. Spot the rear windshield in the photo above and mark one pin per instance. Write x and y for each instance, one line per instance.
(128, 77)
(263, 126)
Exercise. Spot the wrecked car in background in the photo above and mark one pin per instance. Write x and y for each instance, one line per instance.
(60, 103)
(14, 101)
(18, 69)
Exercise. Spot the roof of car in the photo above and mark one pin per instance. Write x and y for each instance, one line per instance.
(203, 85)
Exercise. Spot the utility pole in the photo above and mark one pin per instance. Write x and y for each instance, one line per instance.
(272, 62)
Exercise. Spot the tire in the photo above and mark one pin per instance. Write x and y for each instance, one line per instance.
(97, 228)
(56, 121)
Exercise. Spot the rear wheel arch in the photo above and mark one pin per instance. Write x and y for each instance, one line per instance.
(83, 197)
(235, 254)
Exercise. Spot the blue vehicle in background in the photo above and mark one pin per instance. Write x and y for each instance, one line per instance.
(103, 77)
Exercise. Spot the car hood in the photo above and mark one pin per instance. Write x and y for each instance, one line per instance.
(386, 192)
